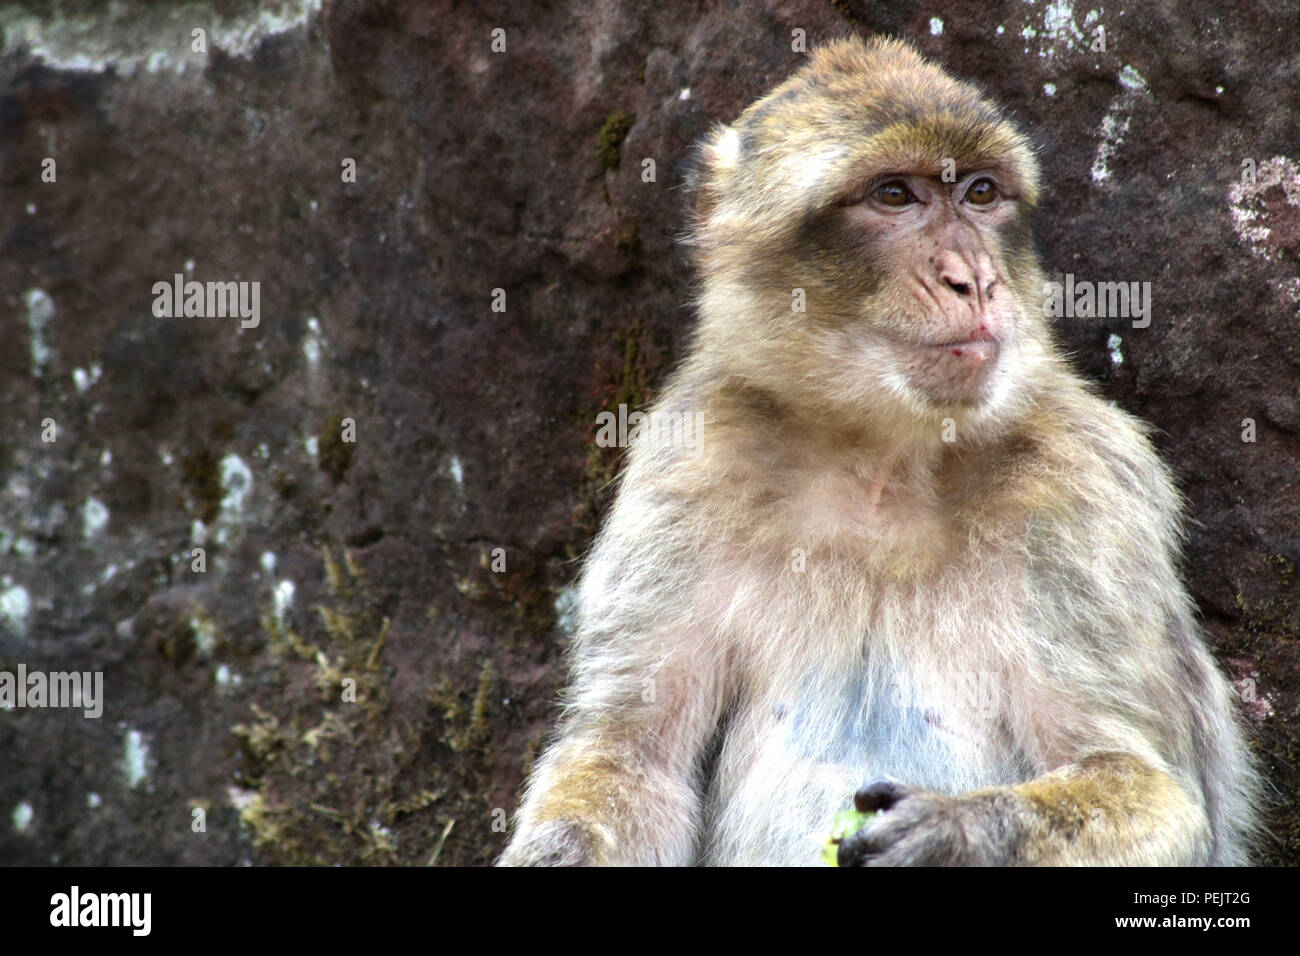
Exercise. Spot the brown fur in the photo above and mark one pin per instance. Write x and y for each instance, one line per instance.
(886, 558)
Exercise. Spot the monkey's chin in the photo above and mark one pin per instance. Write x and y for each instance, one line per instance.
(961, 374)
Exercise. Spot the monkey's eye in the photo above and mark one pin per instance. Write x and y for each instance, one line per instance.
(893, 193)
(982, 192)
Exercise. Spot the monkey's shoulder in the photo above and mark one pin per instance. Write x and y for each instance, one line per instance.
(1076, 451)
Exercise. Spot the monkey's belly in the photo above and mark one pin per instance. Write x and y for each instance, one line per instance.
(787, 767)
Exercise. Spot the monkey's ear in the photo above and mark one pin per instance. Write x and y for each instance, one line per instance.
(715, 159)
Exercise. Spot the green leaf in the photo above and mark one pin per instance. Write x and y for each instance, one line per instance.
(846, 823)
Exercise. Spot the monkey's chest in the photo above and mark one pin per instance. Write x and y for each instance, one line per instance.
(795, 754)
(919, 731)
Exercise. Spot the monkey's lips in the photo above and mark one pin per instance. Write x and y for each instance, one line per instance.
(976, 351)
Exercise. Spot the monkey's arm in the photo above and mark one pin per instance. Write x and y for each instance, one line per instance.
(1110, 809)
(619, 784)
(619, 787)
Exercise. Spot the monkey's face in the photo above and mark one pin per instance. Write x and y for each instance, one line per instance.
(871, 220)
(933, 300)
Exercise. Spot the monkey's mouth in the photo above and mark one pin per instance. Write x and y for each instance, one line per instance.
(977, 351)
(979, 344)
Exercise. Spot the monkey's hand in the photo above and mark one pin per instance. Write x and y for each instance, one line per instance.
(1111, 808)
(918, 828)
(552, 843)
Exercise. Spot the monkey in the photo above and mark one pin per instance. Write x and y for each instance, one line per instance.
(914, 563)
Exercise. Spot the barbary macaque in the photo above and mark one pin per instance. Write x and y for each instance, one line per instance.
(914, 561)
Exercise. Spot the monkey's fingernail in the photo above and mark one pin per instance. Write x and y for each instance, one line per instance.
(879, 795)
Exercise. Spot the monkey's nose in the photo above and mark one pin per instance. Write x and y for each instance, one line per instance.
(968, 276)
(960, 276)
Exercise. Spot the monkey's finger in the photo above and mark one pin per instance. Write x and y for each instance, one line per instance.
(880, 794)
(862, 847)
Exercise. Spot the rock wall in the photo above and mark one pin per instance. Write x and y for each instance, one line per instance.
(229, 517)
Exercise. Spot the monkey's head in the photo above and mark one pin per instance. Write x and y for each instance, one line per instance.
(863, 234)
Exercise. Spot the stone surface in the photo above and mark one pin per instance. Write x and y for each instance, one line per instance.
(372, 560)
